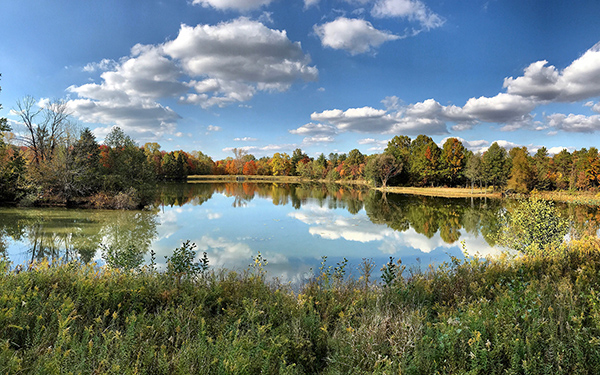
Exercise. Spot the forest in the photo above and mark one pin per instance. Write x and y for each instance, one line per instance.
(54, 162)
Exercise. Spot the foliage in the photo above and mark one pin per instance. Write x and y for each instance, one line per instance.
(495, 166)
(182, 263)
(381, 168)
(537, 314)
(533, 226)
(453, 161)
(521, 174)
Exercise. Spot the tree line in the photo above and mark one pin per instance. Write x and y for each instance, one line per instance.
(56, 163)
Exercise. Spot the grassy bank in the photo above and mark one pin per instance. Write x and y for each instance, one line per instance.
(534, 315)
(443, 192)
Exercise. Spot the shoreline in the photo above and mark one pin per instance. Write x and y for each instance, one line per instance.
(577, 197)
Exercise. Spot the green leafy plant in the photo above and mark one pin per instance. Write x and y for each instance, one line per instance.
(534, 225)
(182, 265)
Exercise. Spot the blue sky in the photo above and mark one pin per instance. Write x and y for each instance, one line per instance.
(325, 76)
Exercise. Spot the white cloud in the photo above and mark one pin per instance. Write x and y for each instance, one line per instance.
(310, 3)
(241, 51)
(318, 139)
(574, 123)
(593, 107)
(205, 65)
(365, 119)
(578, 81)
(501, 108)
(213, 128)
(240, 5)
(245, 139)
(353, 35)
(413, 10)
(312, 128)
(265, 150)
(104, 64)
(376, 145)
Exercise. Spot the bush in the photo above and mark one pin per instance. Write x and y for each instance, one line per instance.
(532, 226)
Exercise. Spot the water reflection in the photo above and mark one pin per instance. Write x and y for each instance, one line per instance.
(292, 225)
(73, 234)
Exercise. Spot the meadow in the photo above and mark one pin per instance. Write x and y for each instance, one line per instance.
(525, 314)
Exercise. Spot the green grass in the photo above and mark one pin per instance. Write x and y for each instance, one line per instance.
(524, 315)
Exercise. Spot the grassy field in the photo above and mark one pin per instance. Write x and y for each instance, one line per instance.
(524, 315)
(443, 191)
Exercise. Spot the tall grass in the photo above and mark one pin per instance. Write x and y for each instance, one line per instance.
(534, 314)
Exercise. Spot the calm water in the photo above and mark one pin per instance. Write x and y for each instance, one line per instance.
(292, 226)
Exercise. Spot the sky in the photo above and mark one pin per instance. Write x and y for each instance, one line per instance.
(321, 75)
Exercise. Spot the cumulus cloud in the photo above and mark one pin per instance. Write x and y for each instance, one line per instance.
(501, 108)
(540, 84)
(578, 81)
(205, 65)
(365, 119)
(240, 5)
(413, 10)
(312, 129)
(353, 35)
(213, 128)
(574, 123)
(426, 117)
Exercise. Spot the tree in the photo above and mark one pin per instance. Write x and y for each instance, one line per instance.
(297, 156)
(43, 136)
(474, 169)
(86, 161)
(453, 161)
(399, 148)
(117, 139)
(250, 168)
(380, 168)
(280, 164)
(238, 161)
(495, 166)
(521, 174)
(533, 226)
(12, 166)
(424, 161)
(541, 170)
(562, 166)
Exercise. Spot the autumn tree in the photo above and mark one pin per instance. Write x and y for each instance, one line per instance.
(562, 166)
(521, 173)
(380, 168)
(250, 168)
(280, 164)
(238, 161)
(452, 161)
(424, 161)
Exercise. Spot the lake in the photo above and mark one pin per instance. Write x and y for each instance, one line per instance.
(292, 225)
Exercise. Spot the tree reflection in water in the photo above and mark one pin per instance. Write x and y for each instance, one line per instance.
(78, 234)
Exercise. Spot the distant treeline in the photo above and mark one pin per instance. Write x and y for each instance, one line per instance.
(55, 164)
